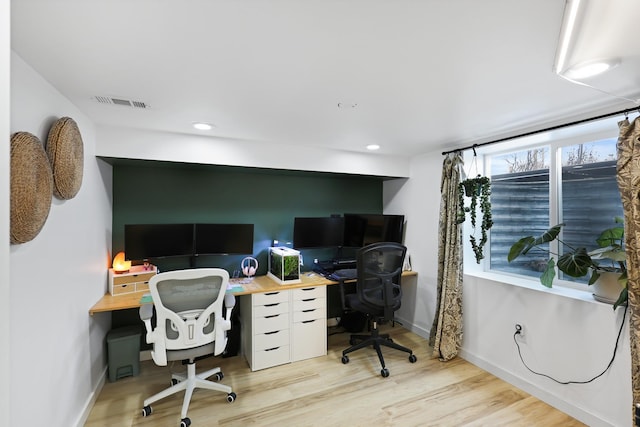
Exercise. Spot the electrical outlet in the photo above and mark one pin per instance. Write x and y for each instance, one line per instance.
(520, 330)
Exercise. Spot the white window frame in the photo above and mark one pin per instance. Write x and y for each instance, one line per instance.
(555, 140)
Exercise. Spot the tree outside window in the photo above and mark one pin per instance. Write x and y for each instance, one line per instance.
(588, 199)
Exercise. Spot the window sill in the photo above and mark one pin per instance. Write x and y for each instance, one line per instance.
(534, 285)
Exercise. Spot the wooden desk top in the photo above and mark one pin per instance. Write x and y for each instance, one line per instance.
(258, 284)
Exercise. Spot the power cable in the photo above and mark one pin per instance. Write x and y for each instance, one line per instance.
(615, 349)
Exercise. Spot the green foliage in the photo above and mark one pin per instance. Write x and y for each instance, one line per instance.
(291, 266)
(478, 189)
(287, 265)
(610, 256)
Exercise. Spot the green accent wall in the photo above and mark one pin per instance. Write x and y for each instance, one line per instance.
(161, 192)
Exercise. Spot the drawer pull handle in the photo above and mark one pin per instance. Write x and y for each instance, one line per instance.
(125, 285)
(271, 333)
(308, 321)
(272, 305)
(308, 289)
(309, 310)
(271, 349)
(270, 316)
(272, 293)
(309, 299)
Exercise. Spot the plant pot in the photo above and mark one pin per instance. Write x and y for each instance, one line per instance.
(607, 288)
(472, 188)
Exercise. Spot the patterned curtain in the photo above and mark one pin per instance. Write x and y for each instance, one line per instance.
(446, 332)
(628, 166)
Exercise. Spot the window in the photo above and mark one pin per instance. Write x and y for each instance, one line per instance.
(519, 204)
(528, 196)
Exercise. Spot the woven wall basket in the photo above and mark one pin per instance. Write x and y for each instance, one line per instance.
(66, 154)
(31, 187)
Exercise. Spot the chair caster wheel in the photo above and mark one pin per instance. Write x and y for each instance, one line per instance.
(384, 372)
(185, 422)
(345, 359)
(219, 376)
(231, 397)
(146, 411)
(413, 358)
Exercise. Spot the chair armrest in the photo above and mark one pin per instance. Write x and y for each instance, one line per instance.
(229, 303)
(343, 292)
(223, 324)
(146, 313)
(159, 353)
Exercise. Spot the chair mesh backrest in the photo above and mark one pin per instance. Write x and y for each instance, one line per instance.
(198, 292)
(379, 273)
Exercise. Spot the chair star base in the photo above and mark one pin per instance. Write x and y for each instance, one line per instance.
(376, 340)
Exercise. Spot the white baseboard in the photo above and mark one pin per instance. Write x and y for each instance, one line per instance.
(93, 397)
(91, 400)
(424, 333)
(553, 400)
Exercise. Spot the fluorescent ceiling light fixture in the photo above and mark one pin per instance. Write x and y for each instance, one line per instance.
(569, 19)
(373, 147)
(589, 69)
(202, 126)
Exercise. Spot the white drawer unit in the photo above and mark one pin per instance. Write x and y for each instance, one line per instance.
(309, 323)
(284, 326)
(266, 324)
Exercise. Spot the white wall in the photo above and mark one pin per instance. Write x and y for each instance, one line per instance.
(418, 199)
(56, 349)
(164, 146)
(5, 330)
(567, 334)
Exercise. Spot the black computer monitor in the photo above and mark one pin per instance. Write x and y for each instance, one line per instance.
(224, 239)
(143, 241)
(318, 232)
(363, 229)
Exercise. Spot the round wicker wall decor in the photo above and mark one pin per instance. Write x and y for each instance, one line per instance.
(66, 154)
(31, 187)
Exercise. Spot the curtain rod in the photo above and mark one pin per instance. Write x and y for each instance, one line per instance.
(522, 135)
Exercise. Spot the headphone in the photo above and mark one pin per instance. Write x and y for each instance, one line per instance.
(249, 266)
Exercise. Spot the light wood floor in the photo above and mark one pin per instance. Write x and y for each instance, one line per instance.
(324, 392)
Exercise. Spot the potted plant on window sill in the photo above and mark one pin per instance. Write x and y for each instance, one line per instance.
(606, 264)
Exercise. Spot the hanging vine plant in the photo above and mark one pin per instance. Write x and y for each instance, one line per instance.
(478, 189)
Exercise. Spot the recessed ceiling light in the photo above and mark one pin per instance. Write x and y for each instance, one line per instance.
(202, 126)
(589, 69)
(373, 147)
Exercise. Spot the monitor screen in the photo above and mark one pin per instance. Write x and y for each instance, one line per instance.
(319, 232)
(224, 239)
(363, 229)
(142, 241)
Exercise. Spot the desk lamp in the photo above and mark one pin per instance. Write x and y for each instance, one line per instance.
(119, 264)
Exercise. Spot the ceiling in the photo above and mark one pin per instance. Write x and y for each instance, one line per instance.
(411, 76)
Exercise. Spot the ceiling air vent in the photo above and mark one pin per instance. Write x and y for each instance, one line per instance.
(120, 101)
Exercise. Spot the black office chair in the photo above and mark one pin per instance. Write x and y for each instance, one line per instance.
(378, 295)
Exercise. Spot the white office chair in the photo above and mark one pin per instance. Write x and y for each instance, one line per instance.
(189, 325)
